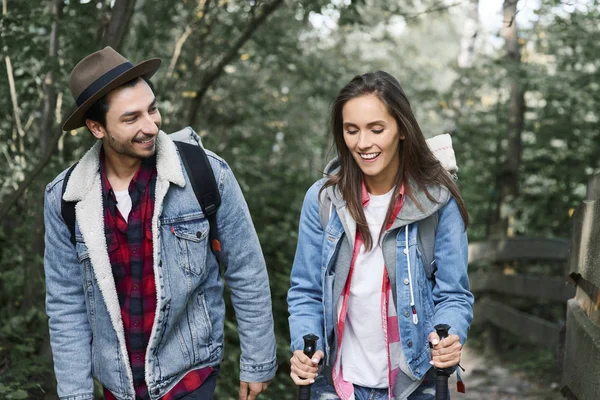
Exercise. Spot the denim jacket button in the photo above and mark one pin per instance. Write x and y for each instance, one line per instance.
(406, 314)
(405, 251)
(409, 343)
(406, 281)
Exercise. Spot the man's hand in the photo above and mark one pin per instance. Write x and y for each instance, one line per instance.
(445, 353)
(304, 369)
(251, 390)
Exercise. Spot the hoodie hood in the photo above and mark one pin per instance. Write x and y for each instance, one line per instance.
(409, 213)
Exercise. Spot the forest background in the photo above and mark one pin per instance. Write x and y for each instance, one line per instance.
(514, 82)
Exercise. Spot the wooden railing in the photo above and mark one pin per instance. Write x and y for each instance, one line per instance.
(581, 362)
(496, 282)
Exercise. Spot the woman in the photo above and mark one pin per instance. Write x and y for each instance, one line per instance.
(358, 280)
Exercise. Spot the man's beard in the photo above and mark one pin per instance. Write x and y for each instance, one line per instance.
(127, 148)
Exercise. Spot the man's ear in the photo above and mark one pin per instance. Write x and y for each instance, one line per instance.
(96, 128)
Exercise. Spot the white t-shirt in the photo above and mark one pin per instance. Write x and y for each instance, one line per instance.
(123, 203)
(364, 353)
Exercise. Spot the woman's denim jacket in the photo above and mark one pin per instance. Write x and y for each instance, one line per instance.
(323, 258)
(86, 330)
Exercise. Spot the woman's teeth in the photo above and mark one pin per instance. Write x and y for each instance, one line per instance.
(368, 156)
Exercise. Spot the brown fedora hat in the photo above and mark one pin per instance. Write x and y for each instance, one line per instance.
(98, 74)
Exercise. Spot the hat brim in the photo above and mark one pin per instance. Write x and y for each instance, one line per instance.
(145, 69)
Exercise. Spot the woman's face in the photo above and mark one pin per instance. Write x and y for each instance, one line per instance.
(371, 134)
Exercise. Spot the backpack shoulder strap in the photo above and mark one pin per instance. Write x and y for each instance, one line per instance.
(426, 243)
(203, 182)
(325, 208)
(67, 208)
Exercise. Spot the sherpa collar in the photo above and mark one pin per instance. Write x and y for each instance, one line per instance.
(168, 168)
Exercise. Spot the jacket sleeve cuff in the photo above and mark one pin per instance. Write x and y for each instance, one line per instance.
(83, 396)
(258, 372)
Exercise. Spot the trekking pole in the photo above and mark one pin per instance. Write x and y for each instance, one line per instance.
(310, 346)
(442, 374)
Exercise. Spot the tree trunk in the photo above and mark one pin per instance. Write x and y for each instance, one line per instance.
(120, 17)
(470, 30)
(509, 174)
(50, 95)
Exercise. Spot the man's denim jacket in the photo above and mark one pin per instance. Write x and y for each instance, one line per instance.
(86, 330)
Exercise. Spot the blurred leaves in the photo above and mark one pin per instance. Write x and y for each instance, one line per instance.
(267, 114)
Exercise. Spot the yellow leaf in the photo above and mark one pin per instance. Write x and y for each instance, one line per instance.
(245, 56)
(189, 94)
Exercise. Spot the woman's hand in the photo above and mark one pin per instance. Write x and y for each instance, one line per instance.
(303, 369)
(446, 352)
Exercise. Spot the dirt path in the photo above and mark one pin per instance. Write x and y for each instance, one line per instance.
(493, 381)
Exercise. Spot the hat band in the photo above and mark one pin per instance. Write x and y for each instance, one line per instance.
(104, 80)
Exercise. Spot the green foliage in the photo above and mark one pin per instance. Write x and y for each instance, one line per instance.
(267, 115)
(560, 139)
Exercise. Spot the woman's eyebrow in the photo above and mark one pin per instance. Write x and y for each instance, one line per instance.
(378, 122)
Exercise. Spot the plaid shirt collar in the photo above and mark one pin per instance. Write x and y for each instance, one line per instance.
(140, 180)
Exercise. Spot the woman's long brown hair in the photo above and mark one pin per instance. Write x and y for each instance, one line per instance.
(416, 159)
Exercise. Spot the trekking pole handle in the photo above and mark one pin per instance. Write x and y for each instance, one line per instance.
(442, 374)
(310, 347)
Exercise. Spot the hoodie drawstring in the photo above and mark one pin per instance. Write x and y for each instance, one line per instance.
(415, 318)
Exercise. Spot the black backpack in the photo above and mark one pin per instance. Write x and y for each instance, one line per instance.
(203, 182)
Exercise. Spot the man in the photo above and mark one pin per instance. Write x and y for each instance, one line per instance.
(136, 300)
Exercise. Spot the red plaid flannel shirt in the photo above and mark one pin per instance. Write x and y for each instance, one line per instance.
(130, 250)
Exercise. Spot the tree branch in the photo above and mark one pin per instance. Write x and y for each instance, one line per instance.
(432, 9)
(203, 7)
(214, 73)
(13, 98)
(177, 51)
(8, 159)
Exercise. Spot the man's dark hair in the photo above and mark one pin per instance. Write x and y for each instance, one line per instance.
(97, 112)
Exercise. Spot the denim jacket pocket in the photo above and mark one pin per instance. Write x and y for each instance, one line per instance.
(193, 332)
(192, 245)
(204, 329)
